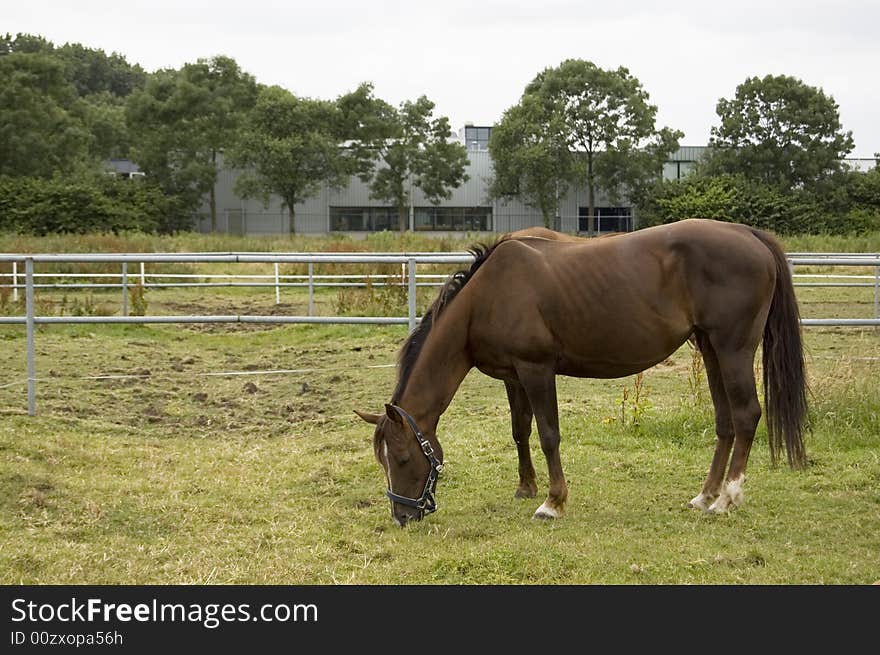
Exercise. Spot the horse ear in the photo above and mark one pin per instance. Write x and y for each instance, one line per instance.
(369, 418)
(392, 414)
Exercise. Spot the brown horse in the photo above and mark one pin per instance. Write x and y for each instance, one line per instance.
(529, 309)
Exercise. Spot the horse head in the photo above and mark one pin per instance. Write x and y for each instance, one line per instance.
(409, 460)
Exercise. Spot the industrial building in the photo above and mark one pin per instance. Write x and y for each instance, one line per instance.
(352, 211)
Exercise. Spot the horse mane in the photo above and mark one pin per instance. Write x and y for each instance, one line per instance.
(409, 353)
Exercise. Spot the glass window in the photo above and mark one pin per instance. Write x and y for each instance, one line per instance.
(467, 219)
(376, 219)
(424, 219)
(608, 219)
(363, 219)
(477, 138)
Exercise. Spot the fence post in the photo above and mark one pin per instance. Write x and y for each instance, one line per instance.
(125, 288)
(15, 281)
(411, 292)
(277, 289)
(877, 292)
(311, 290)
(143, 277)
(29, 311)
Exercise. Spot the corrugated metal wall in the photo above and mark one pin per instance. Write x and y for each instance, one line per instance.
(251, 216)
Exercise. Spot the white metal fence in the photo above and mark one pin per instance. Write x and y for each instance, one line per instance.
(408, 262)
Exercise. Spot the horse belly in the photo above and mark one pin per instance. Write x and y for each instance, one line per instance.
(612, 365)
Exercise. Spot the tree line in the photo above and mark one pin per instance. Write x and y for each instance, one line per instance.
(775, 156)
(64, 111)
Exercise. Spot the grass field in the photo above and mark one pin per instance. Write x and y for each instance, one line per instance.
(177, 476)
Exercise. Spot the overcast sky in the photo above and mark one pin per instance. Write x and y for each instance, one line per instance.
(473, 59)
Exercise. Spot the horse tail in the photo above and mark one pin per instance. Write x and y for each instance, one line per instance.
(785, 387)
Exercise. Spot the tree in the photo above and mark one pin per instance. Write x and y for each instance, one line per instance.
(530, 159)
(103, 115)
(363, 123)
(291, 146)
(40, 134)
(92, 71)
(413, 150)
(25, 43)
(607, 124)
(779, 130)
(84, 90)
(182, 120)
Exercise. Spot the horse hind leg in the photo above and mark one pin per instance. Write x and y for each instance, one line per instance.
(723, 427)
(739, 382)
(540, 386)
(521, 424)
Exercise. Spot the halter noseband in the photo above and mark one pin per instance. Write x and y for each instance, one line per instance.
(424, 503)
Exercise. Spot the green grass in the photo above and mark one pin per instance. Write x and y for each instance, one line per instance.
(178, 477)
(377, 242)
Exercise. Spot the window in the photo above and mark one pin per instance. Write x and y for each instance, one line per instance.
(363, 219)
(376, 219)
(608, 219)
(462, 219)
(477, 138)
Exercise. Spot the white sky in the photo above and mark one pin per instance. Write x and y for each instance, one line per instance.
(473, 59)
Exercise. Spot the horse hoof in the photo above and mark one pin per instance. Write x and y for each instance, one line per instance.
(730, 498)
(720, 506)
(700, 502)
(525, 492)
(545, 512)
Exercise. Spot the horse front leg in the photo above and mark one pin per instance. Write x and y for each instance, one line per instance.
(540, 387)
(521, 424)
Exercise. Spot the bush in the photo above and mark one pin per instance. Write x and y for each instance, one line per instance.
(845, 204)
(100, 204)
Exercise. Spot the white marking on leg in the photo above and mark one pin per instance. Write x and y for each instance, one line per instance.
(545, 511)
(720, 505)
(731, 495)
(734, 490)
(701, 501)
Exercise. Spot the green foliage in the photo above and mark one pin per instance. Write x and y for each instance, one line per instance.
(90, 70)
(137, 295)
(413, 150)
(61, 109)
(634, 403)
(779, 131)
(364, 122)
(292, 146)
(103, 115)
(182, 119)
(36, 206)
(531, 161)
(842, 205)
(386, 299)
(604, 124)
(40, 134)
(94, 72)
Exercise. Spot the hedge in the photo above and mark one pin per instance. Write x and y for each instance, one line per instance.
(100, 204)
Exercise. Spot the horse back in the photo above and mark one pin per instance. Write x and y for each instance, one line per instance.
(610, 307)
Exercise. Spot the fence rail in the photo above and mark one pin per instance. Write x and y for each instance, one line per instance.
(408, 261)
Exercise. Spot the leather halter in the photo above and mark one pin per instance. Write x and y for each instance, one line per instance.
(424, 503)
